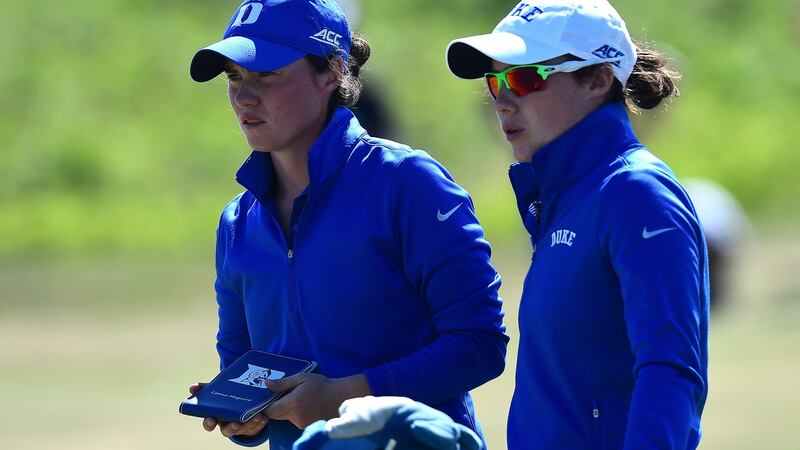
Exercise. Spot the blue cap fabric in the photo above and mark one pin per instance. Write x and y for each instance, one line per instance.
(265, 35)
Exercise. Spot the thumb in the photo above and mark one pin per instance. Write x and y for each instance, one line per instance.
(286, 384)
(195, 388)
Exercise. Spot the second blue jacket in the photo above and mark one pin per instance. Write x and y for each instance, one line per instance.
(614, 314)
(385, 272)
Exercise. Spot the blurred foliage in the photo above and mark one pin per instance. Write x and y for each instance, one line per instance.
(109, 147)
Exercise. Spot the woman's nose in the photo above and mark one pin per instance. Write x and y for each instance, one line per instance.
(244, 95)
(505, 101)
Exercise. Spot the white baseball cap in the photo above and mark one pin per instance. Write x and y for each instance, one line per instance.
(539, 30)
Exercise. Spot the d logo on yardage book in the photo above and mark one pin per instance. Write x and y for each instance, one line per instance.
(257, 376)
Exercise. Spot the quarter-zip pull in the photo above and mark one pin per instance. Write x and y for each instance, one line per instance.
(596, 413)
(292, 280)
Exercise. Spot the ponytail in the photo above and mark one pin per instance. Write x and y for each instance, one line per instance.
(349, 90)
(651, 80)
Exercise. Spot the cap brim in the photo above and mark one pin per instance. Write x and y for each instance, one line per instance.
(253, 54)
(471, 57)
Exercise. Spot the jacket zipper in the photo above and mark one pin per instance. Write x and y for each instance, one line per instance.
(596, 425)
(291, 243)
(292, 289)
(540, 227)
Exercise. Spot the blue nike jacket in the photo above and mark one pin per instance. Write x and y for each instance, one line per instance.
(614, 313)
(385, 272)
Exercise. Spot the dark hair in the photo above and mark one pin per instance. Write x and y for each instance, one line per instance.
(350, 88)
(650, 82)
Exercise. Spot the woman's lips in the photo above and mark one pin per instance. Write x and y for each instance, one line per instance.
(513, 132)
(251, 121)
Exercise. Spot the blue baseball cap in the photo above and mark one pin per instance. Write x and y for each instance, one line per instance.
(265, 35)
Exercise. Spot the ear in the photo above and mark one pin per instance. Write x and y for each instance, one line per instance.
(332, 78)
(600, 83)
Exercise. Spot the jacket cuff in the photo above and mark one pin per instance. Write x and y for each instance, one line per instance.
(381, 381)
(252, 441)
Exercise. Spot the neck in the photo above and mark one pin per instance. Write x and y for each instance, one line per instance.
(291, 173)
(291, 164)
(578, 116)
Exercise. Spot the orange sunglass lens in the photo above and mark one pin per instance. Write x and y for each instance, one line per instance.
(493, 84)
(525, 80)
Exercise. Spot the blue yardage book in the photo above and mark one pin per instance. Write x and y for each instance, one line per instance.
(239, 392)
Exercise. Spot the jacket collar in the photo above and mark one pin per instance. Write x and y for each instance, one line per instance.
(326, 155)
(603, 133)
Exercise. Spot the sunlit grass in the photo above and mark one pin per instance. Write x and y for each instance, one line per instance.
(100, 354)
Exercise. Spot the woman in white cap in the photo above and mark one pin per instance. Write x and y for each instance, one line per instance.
(356, 252)
(614, 311)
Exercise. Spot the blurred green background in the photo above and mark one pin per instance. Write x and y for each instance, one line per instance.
(114, 166)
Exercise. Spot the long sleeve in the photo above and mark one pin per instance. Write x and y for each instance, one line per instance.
(654, 241)
(446, 257)
(233, 339)
(232, 336)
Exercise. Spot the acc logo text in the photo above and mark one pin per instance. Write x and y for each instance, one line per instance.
(327, 36)
(608, 52)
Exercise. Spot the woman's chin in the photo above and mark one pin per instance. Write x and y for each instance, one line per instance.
(522, 153)
(258, 145)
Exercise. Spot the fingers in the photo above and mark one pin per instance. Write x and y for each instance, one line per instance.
(288, 383)
(281, 409)
(209, 424)
(249, 428)
(309, 397)
(291, 408)
(230, 428)
(195, 388)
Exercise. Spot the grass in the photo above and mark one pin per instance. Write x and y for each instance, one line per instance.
(110, 148)
(99, 353)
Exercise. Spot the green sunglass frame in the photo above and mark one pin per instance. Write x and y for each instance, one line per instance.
(544, 71)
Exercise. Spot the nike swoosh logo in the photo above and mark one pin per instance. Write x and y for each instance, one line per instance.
(648, 234)
(445, 216)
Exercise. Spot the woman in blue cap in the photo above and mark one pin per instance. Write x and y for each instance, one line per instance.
(356, 252)
(614, 312)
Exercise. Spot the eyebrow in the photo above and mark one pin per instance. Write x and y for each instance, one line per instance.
(229, 66)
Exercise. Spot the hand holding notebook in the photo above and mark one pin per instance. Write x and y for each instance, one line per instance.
(240, 391)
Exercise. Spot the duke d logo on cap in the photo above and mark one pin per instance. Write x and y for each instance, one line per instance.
(265, 35)
(248, 14)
